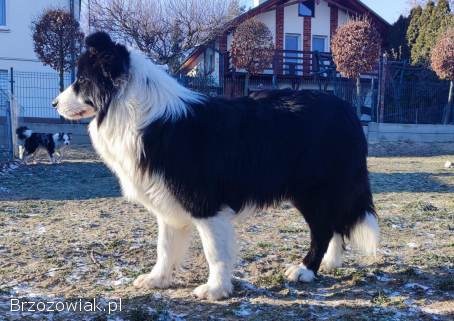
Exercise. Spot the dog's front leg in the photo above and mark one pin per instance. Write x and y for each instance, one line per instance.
(21, 152)
(173, 243)
(218, 239)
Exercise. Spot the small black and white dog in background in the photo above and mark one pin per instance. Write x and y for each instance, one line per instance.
(29, 143)
(200, 161)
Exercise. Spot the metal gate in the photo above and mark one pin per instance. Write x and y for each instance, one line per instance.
(6, 143)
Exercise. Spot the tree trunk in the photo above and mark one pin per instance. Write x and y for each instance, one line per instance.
(246, 84)
(449, 113)
(358, 97)
(450, 99)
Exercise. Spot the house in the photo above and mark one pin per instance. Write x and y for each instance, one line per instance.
(301, 29)
(36, 84)
(16, 43)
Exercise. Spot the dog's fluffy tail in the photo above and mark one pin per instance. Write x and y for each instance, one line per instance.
(364, 235)
(23, 132)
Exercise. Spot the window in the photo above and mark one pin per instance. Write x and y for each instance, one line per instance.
(292, 44)
(307, 8)
(2, 12)
(319, 43)
(209, 61)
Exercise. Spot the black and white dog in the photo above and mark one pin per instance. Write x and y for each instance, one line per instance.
(201, 161)
(29, 142)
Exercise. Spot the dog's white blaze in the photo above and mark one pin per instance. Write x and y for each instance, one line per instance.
(66, 139)
(218, 239)
(28, 133)
(71, 106)
(365, 235)
(333, 256)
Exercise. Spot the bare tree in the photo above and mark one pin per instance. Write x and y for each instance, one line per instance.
(56, 34)
(166, 30)
(443, 64)
(356, 49)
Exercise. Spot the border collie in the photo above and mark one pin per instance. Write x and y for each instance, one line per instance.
(200, 161)
(29, 142)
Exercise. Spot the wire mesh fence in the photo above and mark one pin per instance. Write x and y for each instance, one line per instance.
(5, 124)
(35, 91)
(399, 93)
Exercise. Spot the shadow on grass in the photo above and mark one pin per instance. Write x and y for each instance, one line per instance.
(416, 182)
(65, 181)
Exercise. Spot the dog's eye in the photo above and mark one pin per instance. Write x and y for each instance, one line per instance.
(81, 80)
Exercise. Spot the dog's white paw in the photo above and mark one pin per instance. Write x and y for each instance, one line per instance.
(213, 293)
(152, 281)
(300, 272)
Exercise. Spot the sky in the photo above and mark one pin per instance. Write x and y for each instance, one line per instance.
(388, 9)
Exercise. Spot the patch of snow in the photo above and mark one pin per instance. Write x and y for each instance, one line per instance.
(412, 245)
(383, 278)
(416, 285)
(40, 230)
(243, 311)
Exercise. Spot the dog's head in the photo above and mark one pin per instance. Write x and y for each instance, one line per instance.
(102, 70)
(62, 139)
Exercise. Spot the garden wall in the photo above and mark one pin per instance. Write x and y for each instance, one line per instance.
(378, 133)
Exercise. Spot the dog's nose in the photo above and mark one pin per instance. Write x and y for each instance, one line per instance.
(55, 103)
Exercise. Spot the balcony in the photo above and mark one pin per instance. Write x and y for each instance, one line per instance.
(294, 63)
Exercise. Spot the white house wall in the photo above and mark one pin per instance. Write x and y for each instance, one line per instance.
(343, 17)
(269, 19)
(16, 43)
(293, 23)
(16, 51)
(321, 22)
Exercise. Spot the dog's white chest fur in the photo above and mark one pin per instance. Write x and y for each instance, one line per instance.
(121, 154)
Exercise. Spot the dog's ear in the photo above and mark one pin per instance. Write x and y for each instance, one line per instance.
(112, 58)
(99, 42)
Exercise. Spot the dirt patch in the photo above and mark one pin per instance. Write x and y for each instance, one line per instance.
(66, 234)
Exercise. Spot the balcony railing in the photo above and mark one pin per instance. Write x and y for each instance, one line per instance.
(294, 63)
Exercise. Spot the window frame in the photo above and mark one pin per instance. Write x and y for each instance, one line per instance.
(5, 20)
(209, 61)
(325, 41)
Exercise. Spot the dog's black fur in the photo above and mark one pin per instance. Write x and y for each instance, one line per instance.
(257, 150)
(273, 146)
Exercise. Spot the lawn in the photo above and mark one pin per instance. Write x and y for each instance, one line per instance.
(66, 234)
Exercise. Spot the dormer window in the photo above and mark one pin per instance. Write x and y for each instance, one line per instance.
(306, 8)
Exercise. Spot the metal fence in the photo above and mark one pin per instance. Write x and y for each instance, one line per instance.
(35, 91)
(412, 95)
(399, 93)
(5, 124)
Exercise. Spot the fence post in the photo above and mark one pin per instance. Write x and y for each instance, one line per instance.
(11, 80)
(384, 62)
(10, 115)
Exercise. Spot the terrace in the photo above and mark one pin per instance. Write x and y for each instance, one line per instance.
(293, 63)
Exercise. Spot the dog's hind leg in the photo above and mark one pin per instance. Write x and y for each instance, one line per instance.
(316, 215)
(52, 158)
(173, 243)
(333, 256)
(218, 239)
